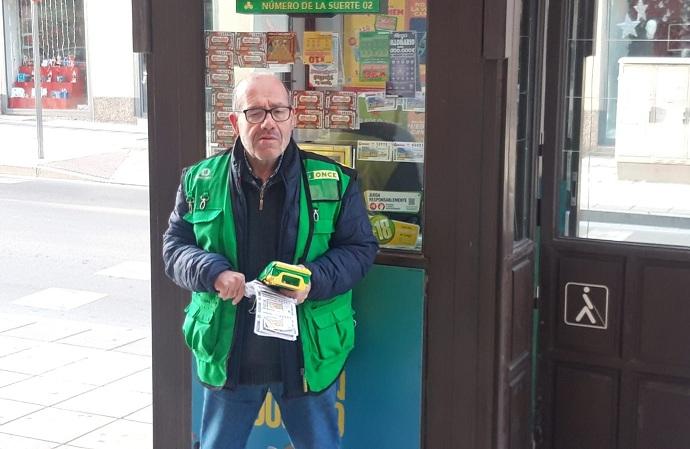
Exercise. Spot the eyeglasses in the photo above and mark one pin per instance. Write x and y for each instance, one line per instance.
(258, 115)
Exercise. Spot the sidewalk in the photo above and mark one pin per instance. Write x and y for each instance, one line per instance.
(67, 384)
(104, 152)
(63, 383)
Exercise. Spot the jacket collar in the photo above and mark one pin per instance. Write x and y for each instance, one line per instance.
(289, 166)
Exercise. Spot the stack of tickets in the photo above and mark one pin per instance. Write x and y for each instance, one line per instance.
(220, 60)
(330, 109)
(276, 314)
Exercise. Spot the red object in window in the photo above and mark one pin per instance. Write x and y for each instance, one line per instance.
(65, 90)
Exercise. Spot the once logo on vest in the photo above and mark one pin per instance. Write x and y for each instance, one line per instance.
(204, 173)
(323, 174)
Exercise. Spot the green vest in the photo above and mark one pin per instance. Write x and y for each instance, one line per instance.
(326, 327)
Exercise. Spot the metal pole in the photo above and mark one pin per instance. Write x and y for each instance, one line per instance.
(38, 97)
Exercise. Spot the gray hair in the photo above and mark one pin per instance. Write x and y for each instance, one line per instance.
(238, 94)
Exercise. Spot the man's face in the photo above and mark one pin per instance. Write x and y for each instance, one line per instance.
(267, 140)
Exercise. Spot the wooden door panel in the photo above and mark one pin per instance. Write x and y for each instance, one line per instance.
(663, 411)
(520, 410)
(586, 411)
(665, 313)
(515, 378)
(521, 312)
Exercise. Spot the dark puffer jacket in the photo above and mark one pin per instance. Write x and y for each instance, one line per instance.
(352, 251)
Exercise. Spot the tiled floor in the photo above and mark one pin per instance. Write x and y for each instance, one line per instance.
(67, 384)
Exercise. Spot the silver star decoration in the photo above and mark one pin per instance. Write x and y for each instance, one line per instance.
(628, 27)
(641, 9)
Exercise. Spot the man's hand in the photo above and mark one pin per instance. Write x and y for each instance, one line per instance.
(298, 295)
(230, 285)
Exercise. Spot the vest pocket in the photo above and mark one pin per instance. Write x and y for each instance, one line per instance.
(206, 227)
(200, 329)
(335, 331)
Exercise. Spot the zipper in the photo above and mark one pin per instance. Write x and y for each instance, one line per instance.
(304, 380)
(261, 195)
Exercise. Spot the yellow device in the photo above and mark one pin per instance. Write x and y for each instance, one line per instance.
(285, 275)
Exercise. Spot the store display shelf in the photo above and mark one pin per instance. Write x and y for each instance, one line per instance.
(48, 103)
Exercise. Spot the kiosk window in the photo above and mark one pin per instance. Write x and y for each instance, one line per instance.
(357, 75)
(625, 171)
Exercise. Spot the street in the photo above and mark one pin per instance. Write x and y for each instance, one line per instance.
(86, 242)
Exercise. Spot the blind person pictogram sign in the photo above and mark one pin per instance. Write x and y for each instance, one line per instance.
(586, 305)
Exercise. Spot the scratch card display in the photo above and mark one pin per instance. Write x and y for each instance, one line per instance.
(403, 64)
(408, 151)
(318, 47)
(250, 50)
(307, 99)
(220, 77)
(340, 119)
(330, 110)
(309, 118)
(385, 23)
(220, 40)
(374, 57)
(374, 150)
(280, 48)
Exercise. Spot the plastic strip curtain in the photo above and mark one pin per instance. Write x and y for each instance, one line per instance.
(26, 29)
(43, 37)
(74, 28)
(63, 23)
(68, 52)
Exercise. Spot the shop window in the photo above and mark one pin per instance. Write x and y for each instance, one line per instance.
(358, 83)
(628, 77)
(61, 52)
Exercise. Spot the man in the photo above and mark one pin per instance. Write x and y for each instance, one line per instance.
(266, 200)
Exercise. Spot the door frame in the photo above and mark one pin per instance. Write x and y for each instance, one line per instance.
(631, 257)
(464, 185)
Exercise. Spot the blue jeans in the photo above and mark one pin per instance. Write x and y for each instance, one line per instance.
(228, 416)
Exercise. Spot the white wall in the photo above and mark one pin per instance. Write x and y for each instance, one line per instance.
(10, 53)
(110, 58)
(3, 73)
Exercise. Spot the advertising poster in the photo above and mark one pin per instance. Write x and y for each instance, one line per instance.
(415, 125)
(352, 26)
(374, 56)
(415, 8)
(394, 233)
(402, 79)
(389, 201)
(397, 9)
